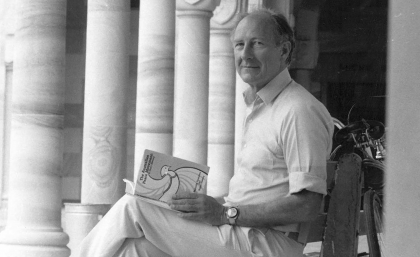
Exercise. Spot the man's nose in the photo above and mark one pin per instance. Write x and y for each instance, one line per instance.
(247, 52)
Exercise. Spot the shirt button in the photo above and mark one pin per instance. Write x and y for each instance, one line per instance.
(244, 145)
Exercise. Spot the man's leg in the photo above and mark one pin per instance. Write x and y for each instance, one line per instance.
(135, 219)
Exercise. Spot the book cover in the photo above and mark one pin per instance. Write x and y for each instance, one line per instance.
(161, 176)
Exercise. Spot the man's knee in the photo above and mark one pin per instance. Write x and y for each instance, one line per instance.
(127, 202)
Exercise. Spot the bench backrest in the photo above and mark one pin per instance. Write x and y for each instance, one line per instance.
(337, 226)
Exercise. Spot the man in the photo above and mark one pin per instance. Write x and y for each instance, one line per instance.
(281, 175)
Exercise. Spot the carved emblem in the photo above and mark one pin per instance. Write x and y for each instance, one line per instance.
(103, 158)
(225, 12)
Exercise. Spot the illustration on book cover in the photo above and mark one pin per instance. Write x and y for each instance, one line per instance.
(161, 176)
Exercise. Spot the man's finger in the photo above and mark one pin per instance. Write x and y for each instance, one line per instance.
(190, 205)
(183, 207)
(183, 201)
(184, 195)
(190, 215)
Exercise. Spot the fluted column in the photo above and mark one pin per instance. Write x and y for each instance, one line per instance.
(221, 126)
(34, 214)
(192, 79)
(402, 210)
(155, 78)
(105, 116)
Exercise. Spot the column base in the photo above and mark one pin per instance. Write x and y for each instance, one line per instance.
(80, 220)
(17, 242)
(33, 251)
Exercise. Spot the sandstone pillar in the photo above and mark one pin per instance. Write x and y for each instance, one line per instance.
(222, 75)
(105, 116)
(4, 169)
(36, 147)
(192, 79)
(80, 220)
(251, 5)
(284, 7)
(6, 73)
(402, 210)
(155, 78)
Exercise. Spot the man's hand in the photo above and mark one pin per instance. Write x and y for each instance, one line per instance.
(198, 207)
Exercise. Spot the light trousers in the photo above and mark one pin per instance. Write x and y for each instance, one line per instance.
(136, 228)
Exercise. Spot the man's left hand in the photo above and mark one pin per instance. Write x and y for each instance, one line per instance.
(198, 207)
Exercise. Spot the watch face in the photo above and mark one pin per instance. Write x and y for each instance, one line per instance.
(232, 212)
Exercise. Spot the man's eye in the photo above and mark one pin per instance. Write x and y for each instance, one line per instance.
(238, 45)
(258, 43)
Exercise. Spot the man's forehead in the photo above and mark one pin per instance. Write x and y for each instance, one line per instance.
(255, 24)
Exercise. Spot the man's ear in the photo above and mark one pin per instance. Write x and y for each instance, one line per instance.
(285, 49)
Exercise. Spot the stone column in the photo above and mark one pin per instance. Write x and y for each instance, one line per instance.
(34, 212)
(2, 98)
(251, 5)
(6, 67)
(305, 56)
(192, 79)
(6, 73)
(221, 126)
(155, 81)
(284, 7)
(80, 220)
(5, 144)
(402, 210)
(105, 116)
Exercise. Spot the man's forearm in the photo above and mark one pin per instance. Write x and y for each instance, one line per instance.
(296, 208)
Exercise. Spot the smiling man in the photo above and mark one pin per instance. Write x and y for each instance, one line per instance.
(281, 175)
(260, 50)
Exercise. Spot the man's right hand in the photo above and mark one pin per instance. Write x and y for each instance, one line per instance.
(199, 207)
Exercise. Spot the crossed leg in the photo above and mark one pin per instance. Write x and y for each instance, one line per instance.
(136, 228)
(133, 227)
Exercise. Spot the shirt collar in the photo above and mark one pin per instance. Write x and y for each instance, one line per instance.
(271, 90)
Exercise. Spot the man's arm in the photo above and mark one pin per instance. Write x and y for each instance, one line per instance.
(300, 207)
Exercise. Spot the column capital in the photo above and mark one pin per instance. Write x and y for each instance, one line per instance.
(197, 5)
(224, 16)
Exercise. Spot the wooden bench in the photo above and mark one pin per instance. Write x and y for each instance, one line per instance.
(341, 221)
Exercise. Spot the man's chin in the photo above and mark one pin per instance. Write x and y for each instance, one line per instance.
(248, 77)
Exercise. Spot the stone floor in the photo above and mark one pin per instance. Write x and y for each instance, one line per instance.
(313, 249)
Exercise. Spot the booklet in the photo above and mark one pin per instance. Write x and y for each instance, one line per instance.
(161, 176)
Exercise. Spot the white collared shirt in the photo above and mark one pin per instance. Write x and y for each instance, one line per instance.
(286, 141)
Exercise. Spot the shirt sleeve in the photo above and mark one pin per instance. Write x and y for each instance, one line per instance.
(307, 141)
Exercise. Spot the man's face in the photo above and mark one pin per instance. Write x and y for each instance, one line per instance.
(257, 59)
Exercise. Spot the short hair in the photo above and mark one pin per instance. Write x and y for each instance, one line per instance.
(282, 31)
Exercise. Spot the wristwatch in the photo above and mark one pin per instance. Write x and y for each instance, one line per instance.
(232, 213)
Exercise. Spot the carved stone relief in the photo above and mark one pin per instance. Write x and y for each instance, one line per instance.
(103, 158)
